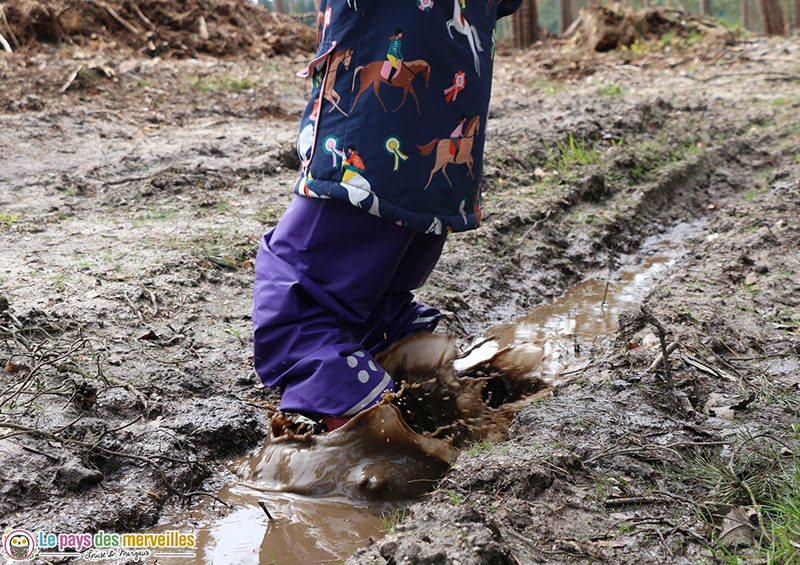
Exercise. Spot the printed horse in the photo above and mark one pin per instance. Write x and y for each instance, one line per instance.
(372, 75)
(338, 58)
(462, 26)
(443, 155)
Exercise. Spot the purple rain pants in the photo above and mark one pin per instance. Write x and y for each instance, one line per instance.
(333, 288)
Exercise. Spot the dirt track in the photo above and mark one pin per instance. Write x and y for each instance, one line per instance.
(132, 204)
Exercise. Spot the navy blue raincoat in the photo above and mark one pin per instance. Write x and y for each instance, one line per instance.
(397, 119)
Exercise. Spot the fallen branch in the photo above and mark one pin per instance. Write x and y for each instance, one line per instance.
(775, 75)
(70, 79)
(111, 12)
(138, 12)
(662, 337)
(699, 365)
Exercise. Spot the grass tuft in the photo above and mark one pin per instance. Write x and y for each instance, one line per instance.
(572, 153)
(390, 520)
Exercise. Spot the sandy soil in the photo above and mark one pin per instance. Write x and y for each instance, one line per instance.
(133, 192)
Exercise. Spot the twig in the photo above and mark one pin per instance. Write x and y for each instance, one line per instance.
(208, 494)
(532, 544)
(117, 429)
(41, 362)
(576, 371)
(130, 388)
(89, 446)
(550, 507)
(661, 520)
(662, 333)
(70, 79)
(784, 76)
(660, 357)
(134, 308)
(697, 364)
(556, 467)
(72, 423)
(264, 508)
(127, 180)
(669, 447)
(632, 501)
(534, 226)
(154, 301)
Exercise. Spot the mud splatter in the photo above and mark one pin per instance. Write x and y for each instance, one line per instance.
(398, 449)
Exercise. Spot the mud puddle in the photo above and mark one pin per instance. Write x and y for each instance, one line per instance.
(573, 329)
(318, 498)
(301, 529)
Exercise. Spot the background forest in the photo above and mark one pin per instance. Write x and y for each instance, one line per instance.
(745, 14)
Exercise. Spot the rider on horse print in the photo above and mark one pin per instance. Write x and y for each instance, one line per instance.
(456, 136)
(394, 54)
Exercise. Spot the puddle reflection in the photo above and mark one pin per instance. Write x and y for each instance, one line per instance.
(301, 530)
(573, 328)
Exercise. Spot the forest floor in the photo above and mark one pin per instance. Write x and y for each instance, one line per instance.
(134, 191)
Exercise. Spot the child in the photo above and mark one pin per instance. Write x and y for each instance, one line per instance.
(375, 198)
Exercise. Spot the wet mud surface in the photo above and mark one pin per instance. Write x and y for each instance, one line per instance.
(131, 205)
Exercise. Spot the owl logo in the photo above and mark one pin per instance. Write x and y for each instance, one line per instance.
(19, 545)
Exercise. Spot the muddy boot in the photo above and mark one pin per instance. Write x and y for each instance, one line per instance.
(291, 425)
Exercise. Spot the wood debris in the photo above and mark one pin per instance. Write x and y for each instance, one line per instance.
(163, 28)
(604, 28)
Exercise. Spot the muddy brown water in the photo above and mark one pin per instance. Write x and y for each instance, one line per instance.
(575, 327)
(318, 498)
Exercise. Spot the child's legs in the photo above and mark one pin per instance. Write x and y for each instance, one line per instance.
(320, 274)
(397, 315)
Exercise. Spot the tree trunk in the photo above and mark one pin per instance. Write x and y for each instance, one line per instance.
(744, 14)
(772, 16)
(787, 24)
(565, 13)
(705, 7)
(526, 23)
(280, 6)
(796, 19)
